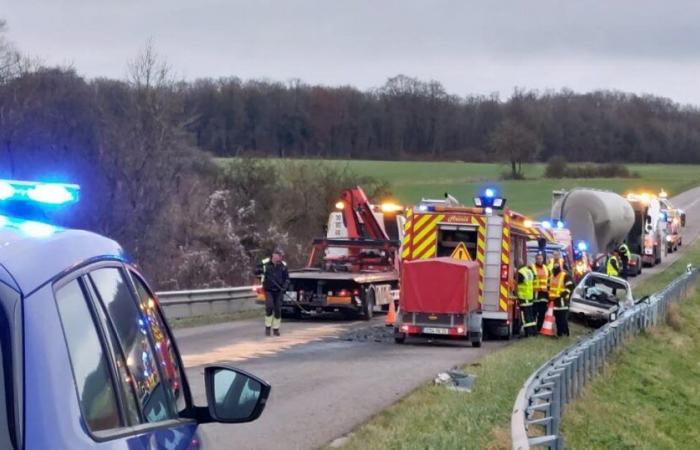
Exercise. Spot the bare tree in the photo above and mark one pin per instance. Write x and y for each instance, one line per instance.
(515, 144)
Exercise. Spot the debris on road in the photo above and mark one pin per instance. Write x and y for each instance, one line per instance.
(455, 380)
(376, 333)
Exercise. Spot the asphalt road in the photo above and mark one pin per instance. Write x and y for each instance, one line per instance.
(324, 386)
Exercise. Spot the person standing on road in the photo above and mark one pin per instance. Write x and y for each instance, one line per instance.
(525, 292)
(560, 287)
(612, 267)
(541, 286)
(275, 280)
(625, 255)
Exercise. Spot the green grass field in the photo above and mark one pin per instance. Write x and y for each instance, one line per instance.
(649, 396)
(411, 181)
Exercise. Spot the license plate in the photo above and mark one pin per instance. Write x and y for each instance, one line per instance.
(430, 330)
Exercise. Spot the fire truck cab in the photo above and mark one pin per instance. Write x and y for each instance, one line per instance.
(489, 234)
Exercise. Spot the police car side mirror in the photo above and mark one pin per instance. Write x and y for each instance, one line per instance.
(233, 395)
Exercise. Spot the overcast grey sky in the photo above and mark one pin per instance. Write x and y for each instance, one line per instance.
(479, 47)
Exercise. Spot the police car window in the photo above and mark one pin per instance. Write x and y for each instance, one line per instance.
(132, 330)
(90, 365)
(165, 350)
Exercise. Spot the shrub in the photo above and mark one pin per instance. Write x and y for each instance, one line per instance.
(556, 167)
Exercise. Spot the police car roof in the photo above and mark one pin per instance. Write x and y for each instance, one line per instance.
(33, 257)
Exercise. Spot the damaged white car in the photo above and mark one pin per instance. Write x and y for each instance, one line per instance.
(600, 298)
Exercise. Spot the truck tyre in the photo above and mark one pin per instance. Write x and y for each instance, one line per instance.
(657, 255)
(368, 304)
(399, 337)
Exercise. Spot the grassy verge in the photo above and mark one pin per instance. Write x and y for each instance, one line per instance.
(649, 396)
(432, 417)
(196, 321)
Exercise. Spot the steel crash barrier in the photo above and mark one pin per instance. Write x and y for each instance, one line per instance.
(540, 403)
(206, 302)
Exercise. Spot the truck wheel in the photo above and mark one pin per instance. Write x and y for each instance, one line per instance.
(399, 337)
(657, 256)
(368, 304)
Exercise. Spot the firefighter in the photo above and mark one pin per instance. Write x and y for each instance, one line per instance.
(541, 286)
(525, 292)
(275, 280)
(625, 255)
(560, 287)
(612, 267)
(556, 259)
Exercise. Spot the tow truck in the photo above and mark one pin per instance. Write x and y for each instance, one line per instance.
(458, 266)
(356, 270)
(87, 359)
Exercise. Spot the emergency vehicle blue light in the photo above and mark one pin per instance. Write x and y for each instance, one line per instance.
(38, 192)
(6, 190)
(547, 224)
(560, 224)
(4, 221)
(582, 246)
(490, 193)
(37, 229)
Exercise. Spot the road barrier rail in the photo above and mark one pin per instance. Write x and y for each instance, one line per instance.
(540, 402)
(206, 302)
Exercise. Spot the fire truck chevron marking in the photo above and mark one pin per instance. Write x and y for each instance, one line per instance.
(424, 242)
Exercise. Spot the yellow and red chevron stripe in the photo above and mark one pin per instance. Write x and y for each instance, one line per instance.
(407, 236)
(480, 222)
(505, 260)
(425, 236)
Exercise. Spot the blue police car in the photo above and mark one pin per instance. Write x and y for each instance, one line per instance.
(87, 360)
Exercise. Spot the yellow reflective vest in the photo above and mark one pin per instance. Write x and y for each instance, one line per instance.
(526, 288)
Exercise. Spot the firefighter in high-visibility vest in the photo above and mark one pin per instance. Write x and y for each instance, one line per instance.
(560, 287)
(541, 288)
(613, 266)
(275, 280)
(556, 259)
(625, 256)
(525, 291)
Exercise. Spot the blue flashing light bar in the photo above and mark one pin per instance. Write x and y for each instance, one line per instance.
(582, 246)
(547, 224)
(560, 224)
(39, 192)
(488, 199)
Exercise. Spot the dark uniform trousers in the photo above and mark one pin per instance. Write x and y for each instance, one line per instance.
(540, 308)
(528, 317)
(561, 317)
(273, 306)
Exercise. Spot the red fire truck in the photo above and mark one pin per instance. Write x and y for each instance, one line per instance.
(447, 291)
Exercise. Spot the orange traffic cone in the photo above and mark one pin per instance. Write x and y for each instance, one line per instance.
(391, 315)
(548, 325)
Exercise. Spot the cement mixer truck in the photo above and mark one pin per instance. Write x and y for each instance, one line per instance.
(602, 219)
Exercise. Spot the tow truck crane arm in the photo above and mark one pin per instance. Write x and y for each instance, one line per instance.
(359, 218)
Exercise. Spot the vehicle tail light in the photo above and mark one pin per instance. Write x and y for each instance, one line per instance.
(504, 271)
(460, 330)
(343, 293)
(356, 292)
(404, 328)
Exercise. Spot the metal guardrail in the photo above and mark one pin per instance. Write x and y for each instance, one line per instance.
(204, 302)
(538, 408)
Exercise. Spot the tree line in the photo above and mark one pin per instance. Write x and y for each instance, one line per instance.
(412, 119)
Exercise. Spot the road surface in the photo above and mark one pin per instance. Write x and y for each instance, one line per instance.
(324, 386)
